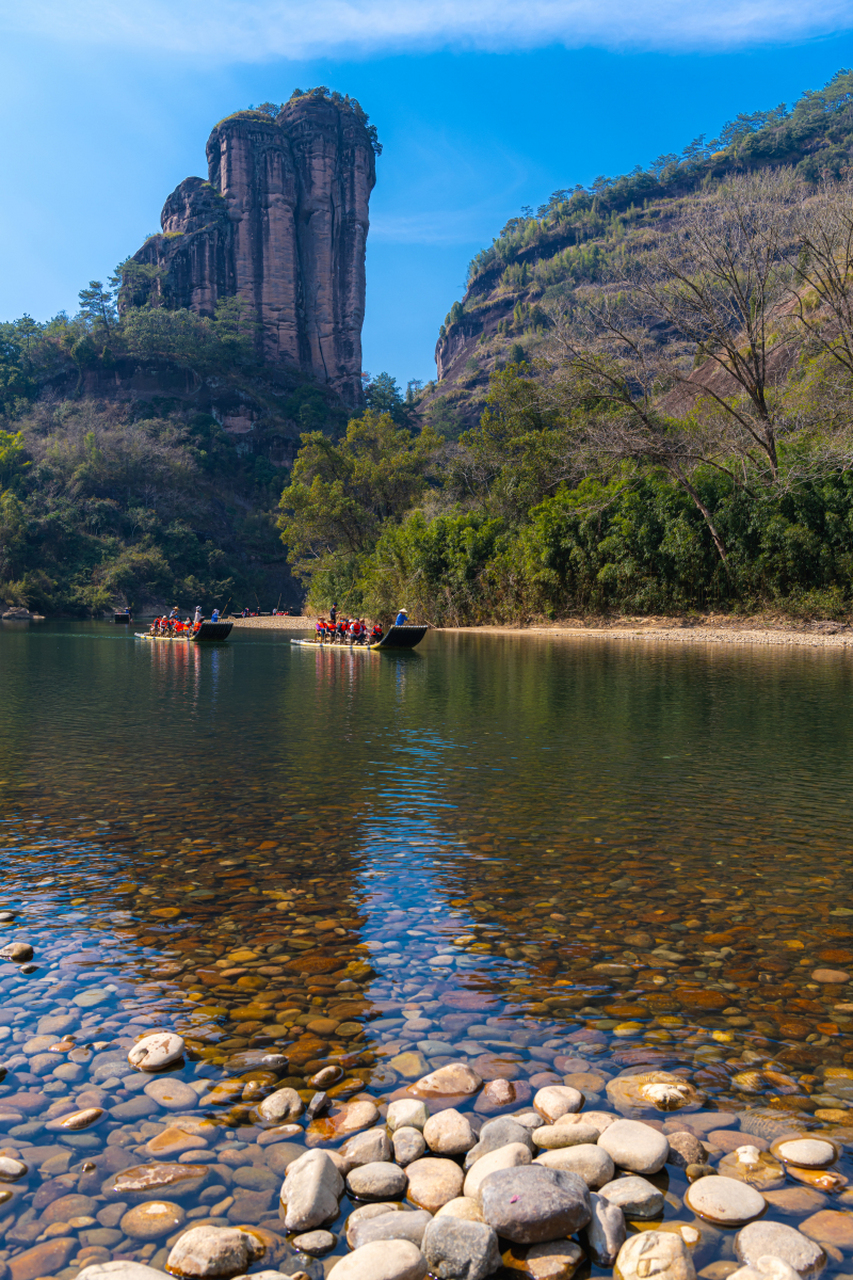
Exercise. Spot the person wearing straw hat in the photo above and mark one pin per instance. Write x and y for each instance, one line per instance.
(402, 619)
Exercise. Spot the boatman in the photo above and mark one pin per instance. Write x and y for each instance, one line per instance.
(402, 619)
(198, 616)
(214, 617)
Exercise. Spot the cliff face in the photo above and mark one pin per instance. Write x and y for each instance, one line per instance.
(282, 223)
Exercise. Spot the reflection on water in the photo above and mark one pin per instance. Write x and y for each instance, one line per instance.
(551, 860)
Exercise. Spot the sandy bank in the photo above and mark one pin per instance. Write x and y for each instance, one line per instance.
(712, 630)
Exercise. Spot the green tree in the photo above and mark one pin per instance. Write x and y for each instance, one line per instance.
(342, 494)
(98, 306)
(384, 396)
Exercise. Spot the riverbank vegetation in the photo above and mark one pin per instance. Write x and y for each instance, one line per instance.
(682, 441)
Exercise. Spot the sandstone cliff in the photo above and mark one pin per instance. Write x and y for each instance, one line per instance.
(282, 223)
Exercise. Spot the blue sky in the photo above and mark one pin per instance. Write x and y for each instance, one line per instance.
(482, 108)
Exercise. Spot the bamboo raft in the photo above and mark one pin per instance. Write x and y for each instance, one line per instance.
(395, 638)
(208, 631)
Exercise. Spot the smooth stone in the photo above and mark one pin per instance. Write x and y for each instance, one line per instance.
(661, 1254)
(729, 1140)
(652, 1090)
(457, 1249)
(605, 1231)
(461, 1207)
(685, 1148)
(17, 951)
(766, 1268)
(368, 1147)
(777, 1240)
(498, 1094)
(74, 1121)
(214, 1251)
(806, 1153)
(90, 997)
(512, 1156)
(311, 1191)
(456, 1079)
(726, 1201)
(11, 1170)
(174, 1141)
(67, 1207)
(757, 1168)
(635, 1146)
(172, 1094)
(382, 1260)
(365, 1212)
(157, 1051)
(380, 1180)
(354, 1116)
(499, 1133)
(557, 1100)
(636, 1197)
(531, 1204)
(390, 1226)
(153, 1219)
(598, 1120)
(57, 1024)
(315, 1242)
(449, 1133)
(555, 1260)
(796, 1200)
(828, 976)
(433, 1181)
(830, 1226)
(45, 1259)
(553, 1137)
(409, 1145)
(144, 1179)
(410, 1065)
(281, 1106)
(119, 1269)
(406, 1113)
(589, 1161)
(256, 1060)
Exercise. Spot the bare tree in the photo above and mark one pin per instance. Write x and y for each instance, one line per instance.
(821, 289)
(608, 367)
(719, 280)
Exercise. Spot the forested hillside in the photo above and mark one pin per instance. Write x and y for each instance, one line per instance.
(142, 455)
(579, 235)
(647, 404)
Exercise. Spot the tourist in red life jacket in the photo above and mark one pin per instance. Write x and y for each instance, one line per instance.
(341, 630)
(377, 633)
(320, 628)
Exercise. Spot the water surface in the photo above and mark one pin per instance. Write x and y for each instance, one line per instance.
(390, 862)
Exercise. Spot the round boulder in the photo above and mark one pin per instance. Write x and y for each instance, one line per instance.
(157, 1052)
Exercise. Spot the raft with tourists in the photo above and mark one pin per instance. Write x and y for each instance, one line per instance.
(190, 633)
(402, 635)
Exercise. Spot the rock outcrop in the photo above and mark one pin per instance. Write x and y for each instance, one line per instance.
(282, 224)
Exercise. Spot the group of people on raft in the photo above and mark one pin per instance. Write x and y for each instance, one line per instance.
(335, 630)
(171, 625)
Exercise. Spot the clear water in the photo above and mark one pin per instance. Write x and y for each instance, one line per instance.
(460, 836)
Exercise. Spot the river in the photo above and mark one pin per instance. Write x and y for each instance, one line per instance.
(552, 860)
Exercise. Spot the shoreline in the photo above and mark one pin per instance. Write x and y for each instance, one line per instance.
(710, 630)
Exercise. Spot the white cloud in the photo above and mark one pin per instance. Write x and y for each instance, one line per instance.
(258, 30)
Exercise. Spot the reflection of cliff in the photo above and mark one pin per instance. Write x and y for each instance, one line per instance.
(281, 223)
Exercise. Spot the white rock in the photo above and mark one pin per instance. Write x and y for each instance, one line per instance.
(213, 1251)
(284, 1104)
(311, 1191)
(382, 1260)
(172, 1094)
(635, 1146)
(448, 1133)
(407, 1113)
(120, 1270)
(557, 1100)
(157, 1051)
(764, 1268)
(659, 1254)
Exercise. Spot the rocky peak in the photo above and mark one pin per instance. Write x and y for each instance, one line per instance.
(281, 222)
